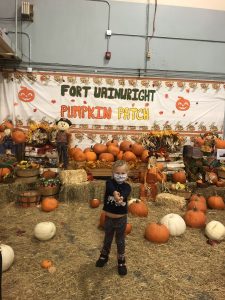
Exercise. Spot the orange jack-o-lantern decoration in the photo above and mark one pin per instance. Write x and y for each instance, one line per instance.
(182, 104)
(26, 95)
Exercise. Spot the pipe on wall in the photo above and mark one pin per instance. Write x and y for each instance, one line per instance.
(29, 42)
(16, 26)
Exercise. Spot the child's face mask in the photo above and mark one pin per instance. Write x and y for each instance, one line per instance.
(120, 178)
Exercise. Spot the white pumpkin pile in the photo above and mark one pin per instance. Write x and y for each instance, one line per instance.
(215, 231)
(174, 223)
(44, 231)
(7, 256)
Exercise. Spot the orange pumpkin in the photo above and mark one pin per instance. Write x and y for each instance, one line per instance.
(220, 144)
(91, 155)
(100, 148)
(195, 218)
(49, 204)
(145, 156)
(198, 197)
(137, 149)
(125, 145)
(138, 208)
(113, 149)
(216, 202)
(119, 155)
(128, 228)
(198, 141)
(113, 141)
(46, 264)
(79, 156)
(6, 124)
(129, 156)
(87, 150)
(197, 204)
(4, 172)
(179, 176)
(73, 150)
(94, 203)
(157, 233)
(19, 136)
(106, 157)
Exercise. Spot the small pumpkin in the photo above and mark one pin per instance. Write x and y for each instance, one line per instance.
(19, 136)
(197, 197)
(216, 202)
(79, 156)
(157, 233)
(125, 145)
(109, 157)
(137, 149)
(119, 155)
(102, 220)
(44, 231)
(7, 257)
(94, 203)
(73, 150)
(197, 204)
(49, 204)
(145, 156)
(129, 156)
(113, 141)
(138, 208)
(46, 264)
(128, 228)
(175, 223)
(195, 218)
(215, 231)
(49, 174)
(91, 155)
(179, 176)
(99, 148)
(113, 149)
(220, 144)
(4, 172)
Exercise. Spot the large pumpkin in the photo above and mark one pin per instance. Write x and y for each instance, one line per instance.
(157, 233)
(19, 136)
(44, 231)
(79, 156)
(49, 203)
(138, 208)
(129, 156)
(125, 145)
(99, 148)
(90, 155)
(7, 257)
(179, 176)
(215, 230)
(73, 150)
(174, 223)
(108, 157)
(195, 218)
(216, 202)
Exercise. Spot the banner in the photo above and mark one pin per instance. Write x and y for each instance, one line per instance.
(113, 102)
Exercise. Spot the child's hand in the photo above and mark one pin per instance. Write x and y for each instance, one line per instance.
(117, 196)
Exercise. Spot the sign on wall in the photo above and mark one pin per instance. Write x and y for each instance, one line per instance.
(96, 101)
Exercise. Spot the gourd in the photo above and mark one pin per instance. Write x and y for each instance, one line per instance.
(174, 223)
(44, 231)
(138, 208)
(49, 204)
(94, 203)
(215, 230)
(7, 256)
(157, 233)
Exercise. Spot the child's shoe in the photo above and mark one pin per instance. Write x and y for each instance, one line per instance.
(122, 269)
(101, 261)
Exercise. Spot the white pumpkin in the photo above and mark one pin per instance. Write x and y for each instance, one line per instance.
(215, 230)
(132, 200)
(7, 256)
(44, 231)
(174, 223)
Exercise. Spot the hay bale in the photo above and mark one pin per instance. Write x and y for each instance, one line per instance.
(170, 200)
(73, 176)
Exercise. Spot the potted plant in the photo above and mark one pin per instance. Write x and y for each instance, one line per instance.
(49, 186)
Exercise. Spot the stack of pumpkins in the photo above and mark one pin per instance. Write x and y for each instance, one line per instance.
(110, 152)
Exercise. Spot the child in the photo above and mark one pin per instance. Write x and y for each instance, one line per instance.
(115, 207)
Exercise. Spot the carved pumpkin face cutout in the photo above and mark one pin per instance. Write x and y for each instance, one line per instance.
(26, 95)
(182, 104)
